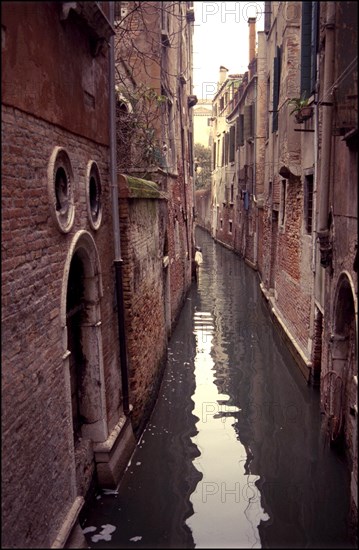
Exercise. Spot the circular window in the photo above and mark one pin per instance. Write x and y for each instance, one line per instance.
(60, 187)
(93, 194)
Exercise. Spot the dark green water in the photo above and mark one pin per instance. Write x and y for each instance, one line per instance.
(232, 456)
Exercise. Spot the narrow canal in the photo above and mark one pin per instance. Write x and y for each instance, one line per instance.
(232, 456)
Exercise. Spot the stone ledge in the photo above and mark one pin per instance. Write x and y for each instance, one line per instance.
(303, 362)
(112, 455)
(69, 525)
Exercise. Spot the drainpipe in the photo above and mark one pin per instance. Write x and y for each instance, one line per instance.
(255, 252)
(118, 262)
(323, 218)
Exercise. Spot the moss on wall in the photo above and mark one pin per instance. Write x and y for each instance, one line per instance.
(143, 189)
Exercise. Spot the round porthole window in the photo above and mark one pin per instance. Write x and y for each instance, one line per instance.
(93, 194)
(60, 188)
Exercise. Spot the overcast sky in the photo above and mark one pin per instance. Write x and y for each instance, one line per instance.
(221, 38)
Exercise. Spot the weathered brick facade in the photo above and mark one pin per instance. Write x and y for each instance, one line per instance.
(337, 218)
(55, 146)
(151, 36)
(295, 212)
(143, 217)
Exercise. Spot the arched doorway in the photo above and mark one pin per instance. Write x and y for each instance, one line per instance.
(340, 382)
(81, 322)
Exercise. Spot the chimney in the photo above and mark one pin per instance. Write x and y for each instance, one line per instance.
(222, 74)
(252, 38)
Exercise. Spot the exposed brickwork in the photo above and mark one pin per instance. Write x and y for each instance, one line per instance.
(142, 239)
(36, 416)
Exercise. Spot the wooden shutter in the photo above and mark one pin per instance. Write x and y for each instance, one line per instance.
(232, 134)
(241, 129)
(248, 121)
(314, 45)
(276, 84)
(306, 55)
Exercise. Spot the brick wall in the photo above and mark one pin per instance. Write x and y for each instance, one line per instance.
(37, 425)
(142, 242)
(179, 240)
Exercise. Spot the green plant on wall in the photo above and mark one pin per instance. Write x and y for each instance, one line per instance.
(299, 103)
(301, 108)
(139, 112)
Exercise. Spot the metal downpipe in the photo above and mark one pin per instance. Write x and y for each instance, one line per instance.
(325, 165)
(118, 262)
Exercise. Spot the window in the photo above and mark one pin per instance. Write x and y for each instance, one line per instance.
(276, 88)
(268, 108)
(230, 226)
(61, 189)
(93, 195)
(241, 130)
(223, 149)
(169, 143)
(308, 203)
(227, 148)
(283, 201)
(309, 44)
(267, 16)
(248, 121)
(121, 10)
(214, 155)
(177, 238)
(232, 135)
(190, 147)
(165, 22)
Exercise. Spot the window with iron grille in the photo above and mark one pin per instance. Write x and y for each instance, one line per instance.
(308, 203)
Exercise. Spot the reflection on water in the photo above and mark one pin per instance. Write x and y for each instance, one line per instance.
(226, 505)
(232, 455)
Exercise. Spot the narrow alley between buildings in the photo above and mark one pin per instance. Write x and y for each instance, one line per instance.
(233, 454)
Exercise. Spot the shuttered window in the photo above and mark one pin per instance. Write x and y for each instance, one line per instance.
(232, 134)
(241, 130)
(276, 88)
(226, 148)
(309, 44)
(237, 132)
(248, 121)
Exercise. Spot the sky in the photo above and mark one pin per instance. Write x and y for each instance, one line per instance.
(221, 38)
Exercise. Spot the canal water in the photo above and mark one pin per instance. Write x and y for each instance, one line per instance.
(233, 455)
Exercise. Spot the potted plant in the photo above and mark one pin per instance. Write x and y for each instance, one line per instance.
(302, 109)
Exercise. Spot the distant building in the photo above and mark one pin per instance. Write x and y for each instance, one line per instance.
(202, 122)
(285, 146)
(97, 258)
